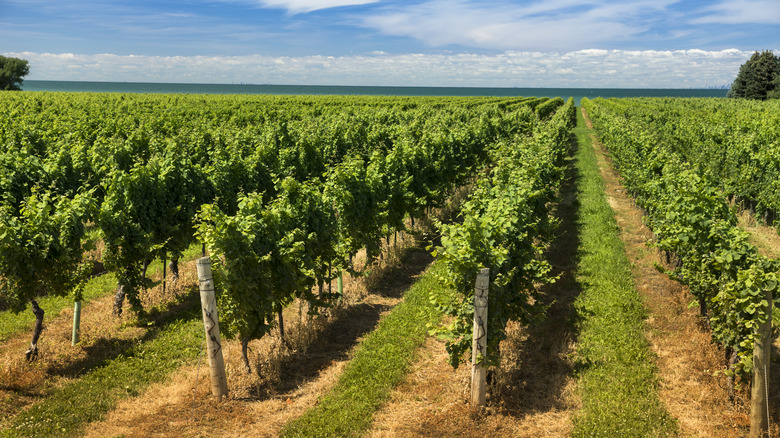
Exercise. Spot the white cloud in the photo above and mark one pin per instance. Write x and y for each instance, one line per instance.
(541, 25)
(741, 12)
(590, 68)
(303, 6)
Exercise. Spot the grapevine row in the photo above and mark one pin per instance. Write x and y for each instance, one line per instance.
(138, 169)
(506, 226)
(273, 252)
(693, 223)
(732, 143)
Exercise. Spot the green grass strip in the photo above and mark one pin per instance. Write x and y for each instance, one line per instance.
(68, 409)
(379, 364)
(616, 373)
(12, 323)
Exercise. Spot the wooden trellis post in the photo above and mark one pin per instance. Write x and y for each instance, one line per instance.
(479, 345)
(759, 397)
(211, 325)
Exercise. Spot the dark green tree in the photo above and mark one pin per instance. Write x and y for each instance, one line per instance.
(757, 77)
(12, 72)
(775, 93)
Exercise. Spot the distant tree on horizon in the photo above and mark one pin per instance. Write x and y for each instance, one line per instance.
(775, 93)
(12, 73)
(758, 78)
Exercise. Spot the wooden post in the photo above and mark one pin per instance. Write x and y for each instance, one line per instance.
(759, 401)
(76, 323)
(211, 325)
(479, 345)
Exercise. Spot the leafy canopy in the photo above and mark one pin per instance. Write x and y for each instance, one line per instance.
(758, 78)
(12, 72)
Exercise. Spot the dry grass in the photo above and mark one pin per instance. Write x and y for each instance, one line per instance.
(692, 389)
(288, 378)
(102, 337)
(433, 402)
(183, 406)
(764, 237)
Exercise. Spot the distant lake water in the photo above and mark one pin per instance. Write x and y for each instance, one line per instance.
(576, 93)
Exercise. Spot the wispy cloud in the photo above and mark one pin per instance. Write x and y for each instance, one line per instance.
(583, 68)
(542, 25)
(303, 6)
(348, 27)
(741, 12)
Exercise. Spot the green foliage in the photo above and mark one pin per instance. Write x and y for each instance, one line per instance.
(258, 261)
(548, 108)
(356, 206)
(149, 211)
(12, 73)
(126, 220)
(649, 140)
(314, 214)
(337, 174)
(276, 248)
(757, 77)
(21, 171)
(41, 247)
(505, 227)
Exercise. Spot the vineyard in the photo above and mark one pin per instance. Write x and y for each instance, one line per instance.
(684, 196)
(345, 235)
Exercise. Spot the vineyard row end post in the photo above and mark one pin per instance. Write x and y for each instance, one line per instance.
(759, 397)
(479, 344)
(211, 326)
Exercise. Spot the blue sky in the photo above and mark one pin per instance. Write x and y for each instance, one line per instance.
(557, 43)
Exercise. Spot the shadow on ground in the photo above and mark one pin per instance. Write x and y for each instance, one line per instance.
(536, 364)
(104, 350)
(344, 328)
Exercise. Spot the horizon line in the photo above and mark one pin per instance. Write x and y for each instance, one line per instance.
(709, 87)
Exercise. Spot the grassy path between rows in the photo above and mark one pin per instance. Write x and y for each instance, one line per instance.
(380, 363)
(67, 409)
(616, 370)
(12, 323)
